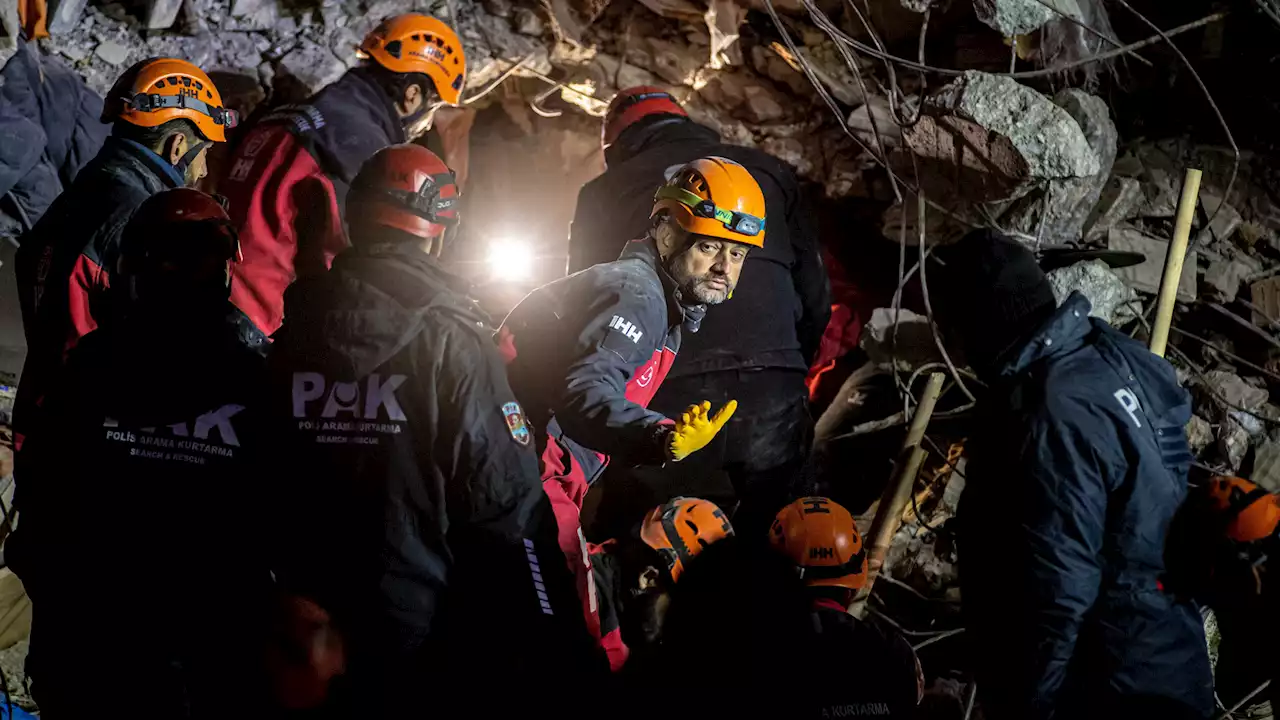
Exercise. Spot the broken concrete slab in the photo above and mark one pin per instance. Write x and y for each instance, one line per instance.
(1224, 276)
(527, 21)
(876, 108)
(991, 138)
(830, 68)
(744, 97)
(1266, 295)
(678, 64)
(790, 151)
(1019, 17)
(1119, 201)
(112, 53)
(724, 18)
(1225, 220)
(1234, 390)
(311, 66)
(64, 15)
(1145, 276)
(1111, 299)
(161, 14)
(1057, 214)
(1233, 442)
(1266, 465)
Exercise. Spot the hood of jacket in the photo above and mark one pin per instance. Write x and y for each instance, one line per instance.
(660, 130)
(371, 305)
(348, 122)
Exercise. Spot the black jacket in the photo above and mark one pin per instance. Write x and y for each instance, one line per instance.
(138, 510)
(1078, 466)
(409, 497)
(858, 670)
(783, 301)
(590, 351)
(49, 129)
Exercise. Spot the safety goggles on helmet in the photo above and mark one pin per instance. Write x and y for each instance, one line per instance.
(738, 222)
(144, 102)
(426, 203)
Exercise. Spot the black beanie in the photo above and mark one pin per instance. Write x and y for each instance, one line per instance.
(993, 293)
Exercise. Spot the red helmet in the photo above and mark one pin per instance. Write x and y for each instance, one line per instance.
(632, 104)
(178, 229)
(406, 187)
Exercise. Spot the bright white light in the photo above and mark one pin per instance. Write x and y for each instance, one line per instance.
(510, 259)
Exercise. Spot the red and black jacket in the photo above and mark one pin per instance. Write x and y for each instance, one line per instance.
(287, 185)
(588, 352)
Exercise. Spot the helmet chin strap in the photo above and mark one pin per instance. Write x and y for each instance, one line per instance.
(188, 157)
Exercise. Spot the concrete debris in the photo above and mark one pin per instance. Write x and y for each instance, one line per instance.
(1008, 138)
(1266, 295)
(498, 8)
(1266, 465)
(311, 66)
(675, 9)
(112, 53)
(161, 14)
(918, 5)
(1233, 443)
(1252, 424)
(677, 64)
(790, 151)
(1224, 276)
(768, 62)
(527, 21)
(830, 68)
(1145, 276)
(1226, 219)
(1112, 300)
(744, 97)
(1057, 214)
(877, 109)
(1234, 390)
(723, 18)
(1118, 202)
(1199, 434)
(64, 15)
(915, 342)
(1020, 17)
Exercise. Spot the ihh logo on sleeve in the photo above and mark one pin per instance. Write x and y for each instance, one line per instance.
(363, 399)
(626, 327)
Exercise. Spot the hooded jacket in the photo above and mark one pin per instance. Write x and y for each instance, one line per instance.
(1077, 467)
(287, 185)
(589, 351)
(409, 498)
(64, 265)
(783, 301)
(143, 512)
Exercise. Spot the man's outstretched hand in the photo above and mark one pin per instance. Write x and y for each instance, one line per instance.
(693, 429)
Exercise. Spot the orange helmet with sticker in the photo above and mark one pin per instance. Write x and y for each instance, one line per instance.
(414, 43)
(682, 528)
(820, 537)
(155, 91)
(715, 197)
(1251, 513)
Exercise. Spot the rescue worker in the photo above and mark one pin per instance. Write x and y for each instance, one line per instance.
(1220, 551)
(1078, 463)
(289, 176)
(756, 348)
(587, 353)
(634, 575)
(409, 500)
(164, 114)
(857, 668)
(125, 545)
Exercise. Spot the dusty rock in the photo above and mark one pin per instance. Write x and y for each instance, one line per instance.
(675, 9)
(915, 339)
(1224, 276)
(1019, 17)
(1235, 390)
(498, 8)
(161, 14)
(310, 65)
(112, 52)
(1112, 300)
(790, 151)
(1007, 137)
(1225, 221)
(675, 63)
(1233, 442)
(1146, 276)
(1060, 218)
(1118, 202)
(1266, 465)
(878, 109)
(744, 97)
(1266, 295)
(527, 21)
(1199, 434)
(724, 18)
(64, 15)
(830, 68)
(771, 65)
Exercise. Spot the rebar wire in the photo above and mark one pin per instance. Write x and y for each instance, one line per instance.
(1246, 699)
(973, 696)
(894, 90)
(1226, 129)
(1266, 9)
(937, 638)
(1233, 356)
(505, 74)
(924, 291)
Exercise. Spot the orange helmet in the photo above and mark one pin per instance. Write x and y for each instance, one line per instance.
(406, 187)
(682, 528)
(818, 534)
(716, 197)
(1251, 512)
(155, 91)
(632, 104)
(413, 43)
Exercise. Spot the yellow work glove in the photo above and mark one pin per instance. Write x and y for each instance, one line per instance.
(694, 429)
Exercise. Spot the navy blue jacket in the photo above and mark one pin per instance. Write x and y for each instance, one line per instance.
(1075, 473)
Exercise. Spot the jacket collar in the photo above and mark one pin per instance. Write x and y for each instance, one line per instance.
(659, 131)
(1062, 333)
(162, 170)
(690, 313)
